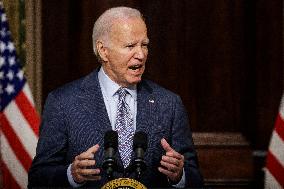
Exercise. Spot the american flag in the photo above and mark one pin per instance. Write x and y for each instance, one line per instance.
(19, 120)
(274, 172)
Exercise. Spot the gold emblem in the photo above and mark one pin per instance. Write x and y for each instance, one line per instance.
(124, 183)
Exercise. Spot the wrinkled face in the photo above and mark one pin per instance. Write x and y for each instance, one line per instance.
(125, 56)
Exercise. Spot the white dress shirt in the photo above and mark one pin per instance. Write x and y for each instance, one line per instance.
(109, 89)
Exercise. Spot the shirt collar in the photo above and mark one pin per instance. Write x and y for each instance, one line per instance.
(110, 87)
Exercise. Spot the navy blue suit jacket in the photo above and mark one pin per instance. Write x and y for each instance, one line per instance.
(75, 118)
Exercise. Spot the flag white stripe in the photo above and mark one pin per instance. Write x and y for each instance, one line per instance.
(27, 92)
(13, 165)
(21, 127)
(281, 109)
(270, 181)
(277, 147)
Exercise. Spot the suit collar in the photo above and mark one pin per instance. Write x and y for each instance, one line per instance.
(91, 83)
(93, 100)
(146, 107)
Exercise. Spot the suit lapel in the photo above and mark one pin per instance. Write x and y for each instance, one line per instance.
(93, 100)
(146, 109)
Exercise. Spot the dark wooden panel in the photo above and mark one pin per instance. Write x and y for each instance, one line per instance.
(269, 69)
(55, 45)
(225, 159)
(200, 56)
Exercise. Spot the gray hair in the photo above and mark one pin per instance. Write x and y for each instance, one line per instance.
(104, 23)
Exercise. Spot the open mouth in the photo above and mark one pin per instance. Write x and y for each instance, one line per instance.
(135, 67)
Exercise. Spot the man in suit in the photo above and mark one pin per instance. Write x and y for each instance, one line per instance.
(77, 115)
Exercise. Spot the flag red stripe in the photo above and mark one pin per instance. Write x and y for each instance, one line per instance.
(15, 143)
(8, 179)
(28, 111)
(275, 168)
(279, 126)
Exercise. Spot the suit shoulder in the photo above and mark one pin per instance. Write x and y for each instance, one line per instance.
(67, 89)
(73, 87)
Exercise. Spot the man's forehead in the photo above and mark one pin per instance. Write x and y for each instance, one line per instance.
(135, 27)
(128, 22)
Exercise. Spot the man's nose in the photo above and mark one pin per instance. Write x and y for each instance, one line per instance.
(140, 53)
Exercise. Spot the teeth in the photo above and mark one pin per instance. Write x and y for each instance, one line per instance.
(134, 67)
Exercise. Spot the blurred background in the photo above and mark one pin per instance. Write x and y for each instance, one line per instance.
(223, 57)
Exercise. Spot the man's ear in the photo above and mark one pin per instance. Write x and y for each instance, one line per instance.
(102, 50)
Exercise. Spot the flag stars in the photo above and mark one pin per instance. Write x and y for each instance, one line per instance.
(3, 18)
(2, 46)
(10, 75)
(12, 78)
(11, 47)
(3, 32)
(12, 60)
(10, 89)
(20, 75)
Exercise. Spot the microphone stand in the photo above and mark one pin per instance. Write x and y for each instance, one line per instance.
(109, 166)
(138, 166)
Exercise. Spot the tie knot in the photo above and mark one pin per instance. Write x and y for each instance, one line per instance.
(121, 92)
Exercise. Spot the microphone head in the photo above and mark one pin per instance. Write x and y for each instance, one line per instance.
(111, 139)
(140, 140)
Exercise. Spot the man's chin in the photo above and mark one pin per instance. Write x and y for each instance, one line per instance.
(133, 82)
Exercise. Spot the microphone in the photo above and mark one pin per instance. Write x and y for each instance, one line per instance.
(140, 143)
(110, 147)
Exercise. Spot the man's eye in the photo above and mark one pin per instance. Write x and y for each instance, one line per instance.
(130, 46)
(145, 45)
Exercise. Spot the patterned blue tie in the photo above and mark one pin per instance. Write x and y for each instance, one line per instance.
(124, 128)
